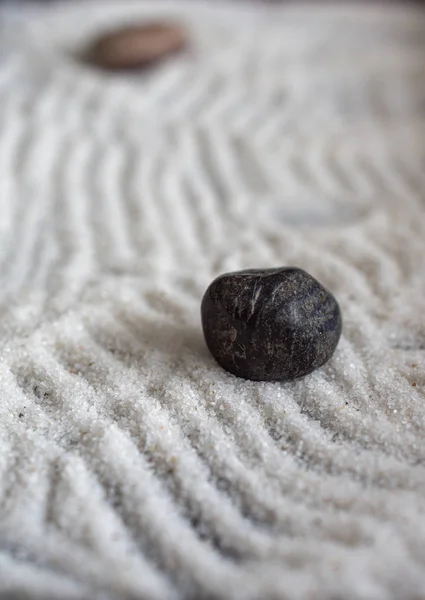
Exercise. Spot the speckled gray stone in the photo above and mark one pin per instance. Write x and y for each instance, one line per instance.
(270, 324)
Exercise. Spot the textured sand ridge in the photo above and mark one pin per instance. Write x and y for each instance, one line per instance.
(131, 465)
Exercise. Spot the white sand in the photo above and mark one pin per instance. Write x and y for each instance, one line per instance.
(132, 466)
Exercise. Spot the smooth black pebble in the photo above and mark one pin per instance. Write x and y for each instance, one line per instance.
(270, 324)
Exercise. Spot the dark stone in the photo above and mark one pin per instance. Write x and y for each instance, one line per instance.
(270, 324)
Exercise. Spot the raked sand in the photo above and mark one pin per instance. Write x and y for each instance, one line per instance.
(132, 467)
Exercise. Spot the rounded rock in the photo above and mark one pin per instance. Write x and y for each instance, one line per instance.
(136, 46)
(270, 324)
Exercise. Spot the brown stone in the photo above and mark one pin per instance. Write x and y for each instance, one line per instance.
(136, 46)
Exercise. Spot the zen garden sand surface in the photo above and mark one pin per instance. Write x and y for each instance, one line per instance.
(132, 466)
